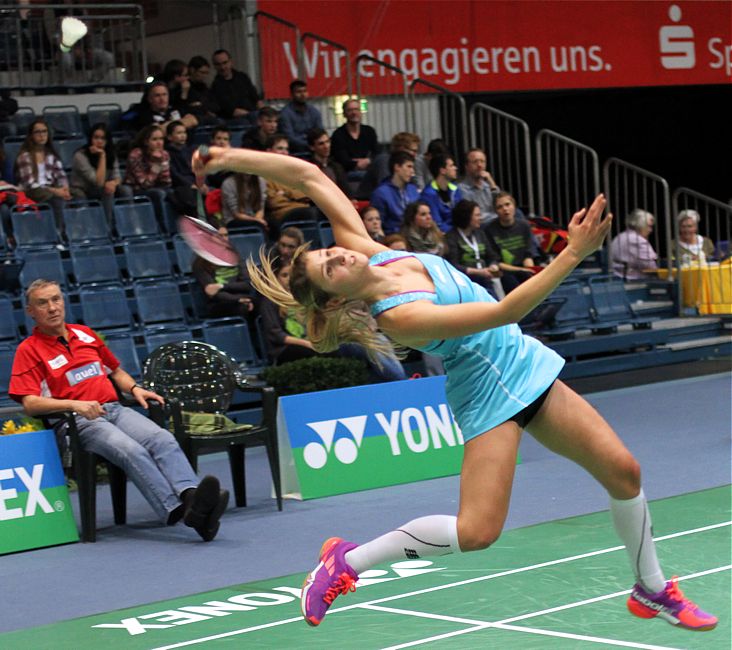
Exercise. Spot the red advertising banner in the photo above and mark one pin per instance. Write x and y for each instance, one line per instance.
(501, 45)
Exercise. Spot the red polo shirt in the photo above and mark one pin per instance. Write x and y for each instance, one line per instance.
(45, 366)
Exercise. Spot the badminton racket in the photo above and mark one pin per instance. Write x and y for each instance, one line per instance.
(207, 242)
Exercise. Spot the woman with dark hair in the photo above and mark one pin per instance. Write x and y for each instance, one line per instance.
(148, 167)
(468, 249)
(40, 171)
(242, 200)
(95, 170)
(420, 230)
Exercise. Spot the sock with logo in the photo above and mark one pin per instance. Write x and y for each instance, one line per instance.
(423, 537)
(633, 525)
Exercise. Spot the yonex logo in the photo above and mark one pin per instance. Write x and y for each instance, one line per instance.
(315, 454)
(32, 482)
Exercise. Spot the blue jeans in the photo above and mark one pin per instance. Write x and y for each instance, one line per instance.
(149, 455)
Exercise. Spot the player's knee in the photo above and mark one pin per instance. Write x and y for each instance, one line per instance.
(476, 537)
(627, 477)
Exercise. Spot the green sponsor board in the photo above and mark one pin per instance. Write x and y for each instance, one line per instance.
(35, 510)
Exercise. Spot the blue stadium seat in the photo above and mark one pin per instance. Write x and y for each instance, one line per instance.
(247, 243)
(326, 234)
(135, 218)
(573, 312)
(157, 336)
(610, 302)
(184, 255)
(67, 147)
(147, 258)
(122, 345)
(11, 146)
(34, 227)
(109, 114)
(22, 119)
(42, 264)
(105, 307)
(3, 238)
(85, 221)
(94, 264)
(7, 352)
(158, 301)
(8, 330)
(231, 335)
(64, 120)
(201, 135)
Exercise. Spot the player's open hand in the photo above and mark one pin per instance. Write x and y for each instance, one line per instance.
(588, 228)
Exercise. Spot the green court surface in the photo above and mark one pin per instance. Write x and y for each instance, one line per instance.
(561, 584)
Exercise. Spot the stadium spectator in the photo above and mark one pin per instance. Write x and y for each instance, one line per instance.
(512, 240)
(436, 147)
(228, 289)
(95, 171)
(395, 241)
(66, 367)
(372, 222)
(393, 195)
(354, 144)
(148, 167)
(199, 99)
(186, 187)
(256, 138)
(320, 147)
(631, 252)
(442, 194)
(220, 137)
(233, 90)
(421, 231)
(379, 168)
(8, 108)
(284, 203)
(242, 198)
(478, 184)
(290, 239)
(468, 248)
(691, 246)
(155, 108)
(40, 171)
(298, 117)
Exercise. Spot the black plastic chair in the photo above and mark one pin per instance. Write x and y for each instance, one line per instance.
(84, 465)
(195, 376)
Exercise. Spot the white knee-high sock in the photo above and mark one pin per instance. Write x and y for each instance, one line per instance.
(633, 525)
(423, 537)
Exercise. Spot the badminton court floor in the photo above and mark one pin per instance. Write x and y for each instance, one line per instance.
(561, 584)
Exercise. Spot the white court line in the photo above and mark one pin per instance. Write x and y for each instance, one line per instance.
(504, 624)
(418, 592)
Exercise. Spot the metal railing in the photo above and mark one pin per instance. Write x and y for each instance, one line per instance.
(333, 65)
(112, 53)
(703, 269)
(628, 187)
(275, 68)
(387, 89)
(568, 175)
(507, 143)
(439, 113)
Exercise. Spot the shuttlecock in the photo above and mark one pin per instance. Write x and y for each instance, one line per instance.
(72, 29)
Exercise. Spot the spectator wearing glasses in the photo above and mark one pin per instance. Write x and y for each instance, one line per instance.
(354, 144)
(237, 97)
(40, 171)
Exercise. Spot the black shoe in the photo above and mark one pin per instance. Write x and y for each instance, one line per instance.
(204, 507)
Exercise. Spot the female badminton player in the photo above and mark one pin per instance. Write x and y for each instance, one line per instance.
(499, 382)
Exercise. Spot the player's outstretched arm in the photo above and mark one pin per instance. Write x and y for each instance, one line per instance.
(348, 229)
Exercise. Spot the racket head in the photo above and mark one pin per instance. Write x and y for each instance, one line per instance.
(207, 242)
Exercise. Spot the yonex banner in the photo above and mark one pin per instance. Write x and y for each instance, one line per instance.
(34, 502)
(350, 439)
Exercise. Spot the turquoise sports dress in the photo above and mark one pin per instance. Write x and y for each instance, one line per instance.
(491, 375)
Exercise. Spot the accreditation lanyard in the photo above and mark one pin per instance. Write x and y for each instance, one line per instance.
(474, 245)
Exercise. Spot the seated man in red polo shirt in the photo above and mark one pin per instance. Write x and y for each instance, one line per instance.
(64, 367)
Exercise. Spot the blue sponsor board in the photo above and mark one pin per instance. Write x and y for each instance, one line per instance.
(34, 501)
(364, 437)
